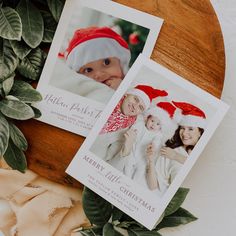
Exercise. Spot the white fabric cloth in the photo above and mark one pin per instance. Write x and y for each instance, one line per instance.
(167, 169)
(65, 78)
(137, 167)
(108, 145)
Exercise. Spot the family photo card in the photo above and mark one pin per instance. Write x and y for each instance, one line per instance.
(146, 140)
(94, 46)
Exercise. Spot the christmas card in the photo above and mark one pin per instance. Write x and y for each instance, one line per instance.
(94, 46)
(146, 140)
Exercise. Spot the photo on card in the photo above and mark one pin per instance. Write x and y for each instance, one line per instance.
(147, 140)
(95, 45)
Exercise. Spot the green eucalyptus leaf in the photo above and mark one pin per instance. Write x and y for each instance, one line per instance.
(50, 26)
(56, 7)
(10, 24)
(20, 48)
(142, 232)
(95, 230)
(180, 217)
(127, 224)
(16, 109)
(108, 230)
(87, 233)
(27, 95)
(11, 98)
(32, 65)
(15, 158)
(37, 112)
(7, 84)
(32, 23)
(4, 134)
(20, 84)
(18, 137)
(97, 209)
(176, 201)
(8, 60)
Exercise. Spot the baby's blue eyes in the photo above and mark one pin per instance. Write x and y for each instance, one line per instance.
(107, 61)
(88, 70)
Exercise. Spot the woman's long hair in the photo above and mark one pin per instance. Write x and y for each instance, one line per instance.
(176, 141)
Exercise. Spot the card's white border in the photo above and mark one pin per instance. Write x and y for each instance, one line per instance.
(221, 109)
(108, 7)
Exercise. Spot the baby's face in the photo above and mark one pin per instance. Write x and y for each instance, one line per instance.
(153, 124)
(132, 105)
(107, 71)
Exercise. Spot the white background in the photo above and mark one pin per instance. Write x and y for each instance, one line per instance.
(213, 179)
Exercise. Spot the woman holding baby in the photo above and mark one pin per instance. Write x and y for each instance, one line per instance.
(160, 174)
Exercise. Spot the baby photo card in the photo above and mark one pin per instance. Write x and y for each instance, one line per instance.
(147, 140)
(94, 46)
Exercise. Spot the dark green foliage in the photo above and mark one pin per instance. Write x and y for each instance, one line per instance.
(127, 29)
(108, 220)
(27, 28)
(96, 209)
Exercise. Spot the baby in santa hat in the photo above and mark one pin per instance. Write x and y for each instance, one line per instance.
(100, 54)
(158, 126)
(132, 104)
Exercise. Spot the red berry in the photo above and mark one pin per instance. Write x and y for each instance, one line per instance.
(134, 38)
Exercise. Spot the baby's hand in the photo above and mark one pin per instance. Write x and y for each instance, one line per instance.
(114, 83)
(150, 152)
(168, 153)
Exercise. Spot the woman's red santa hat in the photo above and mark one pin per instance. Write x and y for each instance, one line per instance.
(191, 115)
(95, 43)
(147, 93)
(169, 117)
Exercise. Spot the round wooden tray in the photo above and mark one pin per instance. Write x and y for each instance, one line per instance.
(190, 44)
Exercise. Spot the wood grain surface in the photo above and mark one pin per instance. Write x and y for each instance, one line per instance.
(190, 44)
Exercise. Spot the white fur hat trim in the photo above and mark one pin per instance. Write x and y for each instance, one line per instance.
(193, 121)
(96, 49)
(142, 95)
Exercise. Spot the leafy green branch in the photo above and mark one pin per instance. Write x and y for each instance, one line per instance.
(108, 220)
(26, 32)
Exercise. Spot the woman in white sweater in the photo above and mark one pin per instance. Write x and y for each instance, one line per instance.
(160, 174)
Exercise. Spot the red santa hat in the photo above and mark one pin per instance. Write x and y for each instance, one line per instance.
(191, 115)
(147, 93)
(169, 117)
(95, 43)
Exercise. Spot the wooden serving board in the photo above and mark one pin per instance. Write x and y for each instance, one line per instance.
(190, 44)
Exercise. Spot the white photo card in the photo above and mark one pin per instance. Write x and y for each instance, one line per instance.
(147, 140)
(94, 46)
